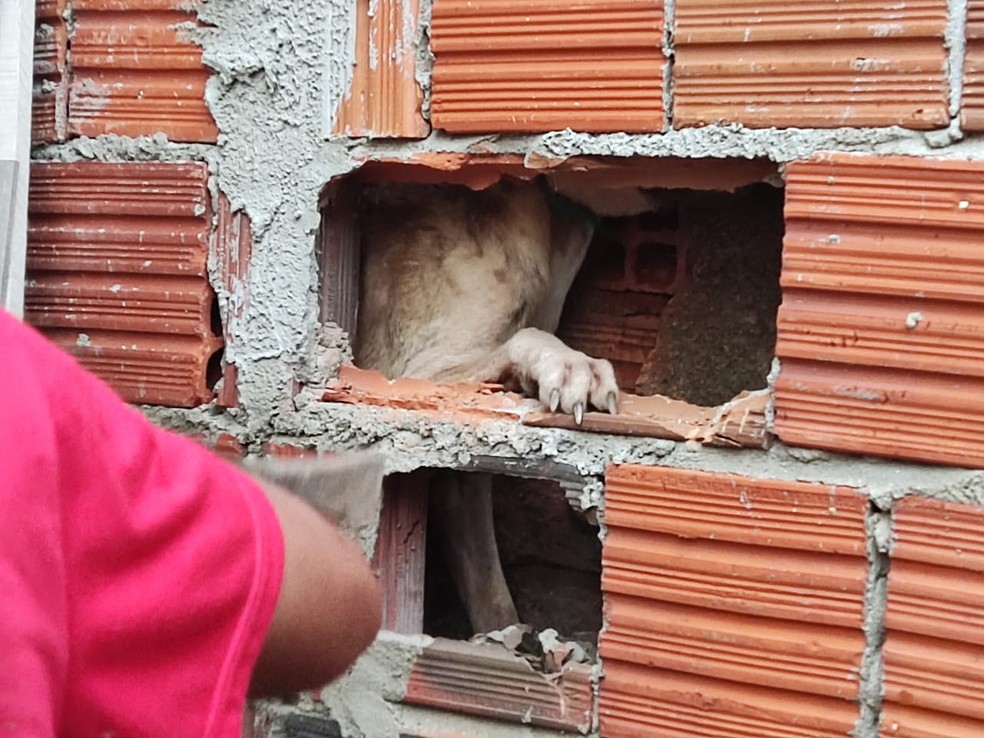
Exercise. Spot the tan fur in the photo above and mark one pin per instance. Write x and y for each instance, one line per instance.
(461, 285)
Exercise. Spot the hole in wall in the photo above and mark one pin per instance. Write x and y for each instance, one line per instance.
(550, 555)
(681, 298)
(214, 369)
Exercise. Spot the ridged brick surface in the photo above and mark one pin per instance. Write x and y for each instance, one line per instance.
(590, 65)
(637, 703)
(117, 274)
(910, 722)
(972, 114)
(49, 114)
(726, 594)
(880, 329)
(489, 681)
(934, 649)
(811, 64)
(137, 72)
(383, 99)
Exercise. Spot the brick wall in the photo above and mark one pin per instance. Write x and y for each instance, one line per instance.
(806, 590)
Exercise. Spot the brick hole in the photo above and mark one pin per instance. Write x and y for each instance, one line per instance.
(656, 264)
(551, 557)
(694, 317)
(214, 369)
(682, 299)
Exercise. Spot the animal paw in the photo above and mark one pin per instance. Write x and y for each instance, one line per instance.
(566, 379)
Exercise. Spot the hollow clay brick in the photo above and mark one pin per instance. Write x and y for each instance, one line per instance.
(509, 66)
(116, 269)
(972, 113)
(934, 646)
(50, 89)
(879, 328)
(137, 72)
(488, 681)
(811, 63)
(730, 601)
(232, 243)
(383, 99)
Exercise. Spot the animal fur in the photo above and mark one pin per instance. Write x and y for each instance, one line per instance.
(469, 286)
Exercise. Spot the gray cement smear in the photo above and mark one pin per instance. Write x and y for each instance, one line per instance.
(871, 676)
(955, 42)
(269, 96)
(410, 441)
(366, 702)
(781, 145)
(112, 148)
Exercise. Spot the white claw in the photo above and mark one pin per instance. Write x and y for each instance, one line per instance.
(612, 403)
(554, 400)
(578, 412)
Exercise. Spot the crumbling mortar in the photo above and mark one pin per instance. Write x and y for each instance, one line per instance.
(710, 142)
(122, 149)
(425, 57)
(412, 441)
(955, 42)
(878, 524)
(669, 27)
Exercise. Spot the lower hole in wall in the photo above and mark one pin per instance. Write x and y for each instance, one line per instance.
(551, 558)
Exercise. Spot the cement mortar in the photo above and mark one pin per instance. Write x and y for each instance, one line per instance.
(111, 148)
(269, 98)
(871, 675)
(955, 42)
(781, 145)
(371, 712)
(410, 442)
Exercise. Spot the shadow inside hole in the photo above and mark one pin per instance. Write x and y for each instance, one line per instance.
(551, 557)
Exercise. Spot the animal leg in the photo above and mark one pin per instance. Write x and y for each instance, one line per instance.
(464, 512)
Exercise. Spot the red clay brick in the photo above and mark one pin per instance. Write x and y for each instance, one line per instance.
(934, 649)
(909, 722)
(810, 64)
(400, 555)
(117, 274)
(638, 702)
(232, 243)
(972, 113)
(614, 306)
(719, 590)
(50, 93)
(488, 681)
(877, 333)
(137, 73)
(503, 65)
(383, 99)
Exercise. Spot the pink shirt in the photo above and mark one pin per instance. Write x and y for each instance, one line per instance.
(138, 572)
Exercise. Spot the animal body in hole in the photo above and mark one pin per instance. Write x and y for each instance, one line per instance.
(462, 285)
